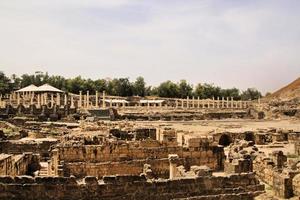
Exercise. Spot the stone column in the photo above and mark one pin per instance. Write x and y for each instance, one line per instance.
(72, 102)
(55, 161)
(208, 103)
(46, 98)
(87, 99)
(176, 103)
(241, 104)
(52, 100)
(193, 104)
(103, 99)
(38, 100)
(173, 160)
(96, 103)
(58, 99)
(231, 102)
(123, 104)
(80, 99)
(227, 102)
(18, 99)
(148, 104)
(218, 102)
(222, 103)
(182, 103)
(213, 102)
(66, 100)
(198, 102)
(187, 102)
(110, 103)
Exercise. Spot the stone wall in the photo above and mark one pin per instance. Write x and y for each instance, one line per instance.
(15, 165)
(18, 147)
(244, 186)
(159, 167)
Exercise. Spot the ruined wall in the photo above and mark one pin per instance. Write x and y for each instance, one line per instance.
(160, 168)
(15, 165)
(16, 147)
(244, 186)
(126, 158)
(120, 152)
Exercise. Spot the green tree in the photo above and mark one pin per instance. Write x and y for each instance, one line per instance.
(4, 83)
(168, 89)
(205, 91)
(139, 87)
(250, 94)
(185, 89)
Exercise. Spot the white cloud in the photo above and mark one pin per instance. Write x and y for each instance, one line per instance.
(231, 44)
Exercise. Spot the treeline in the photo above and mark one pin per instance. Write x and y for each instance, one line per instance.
(124, 87)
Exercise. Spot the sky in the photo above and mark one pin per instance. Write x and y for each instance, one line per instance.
(231, 43)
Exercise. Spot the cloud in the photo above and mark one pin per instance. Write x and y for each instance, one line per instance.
(230, 43)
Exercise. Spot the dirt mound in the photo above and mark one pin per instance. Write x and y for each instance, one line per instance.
(291, 91)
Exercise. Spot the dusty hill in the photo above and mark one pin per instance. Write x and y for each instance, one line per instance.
(288, 92)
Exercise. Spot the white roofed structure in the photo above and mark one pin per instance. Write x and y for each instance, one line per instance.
(48, 88)
(43, 88)
(151, 101)
(29, 88)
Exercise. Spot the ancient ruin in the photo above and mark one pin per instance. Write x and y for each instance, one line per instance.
(56, 145)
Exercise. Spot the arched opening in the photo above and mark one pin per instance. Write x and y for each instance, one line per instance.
(225, 140)
(249, 136)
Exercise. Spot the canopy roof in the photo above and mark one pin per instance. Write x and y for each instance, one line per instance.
(151, 101)
(116, 101)
(29, 88)
(44, 88)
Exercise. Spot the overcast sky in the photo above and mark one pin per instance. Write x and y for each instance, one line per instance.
(229, 43)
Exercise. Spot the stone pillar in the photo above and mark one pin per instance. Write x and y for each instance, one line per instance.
(182, 103)
(198, 102)
(58, 99)
(176, 103)
(66, 100)
(218, 102)
(227, 102)
(187, 102)
(173, 160)
(18, 99)
(231, 102)
(213, 102)
(72, 102)
(38, 100)
(222, 102)
(52, 100)
(208, 103)
(55, 161)
(123, 104)
(96, 101)
(80, 99)
(241, 104)
(46, 98)
(103, 99)
(87, 99)
(193, 102)
(148, 104)
(110, 103)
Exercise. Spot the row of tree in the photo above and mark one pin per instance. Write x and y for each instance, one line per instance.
(123, 87)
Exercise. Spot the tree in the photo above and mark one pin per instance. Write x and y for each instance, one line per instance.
(233, 92)
(250, 94)
(168, 89)
(139, 86)
(185, 89)
(4, 83)
(205, 91)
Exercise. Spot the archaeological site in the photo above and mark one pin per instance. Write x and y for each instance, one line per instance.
(57, 145)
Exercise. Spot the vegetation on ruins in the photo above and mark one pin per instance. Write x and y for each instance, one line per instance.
(124, 87)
